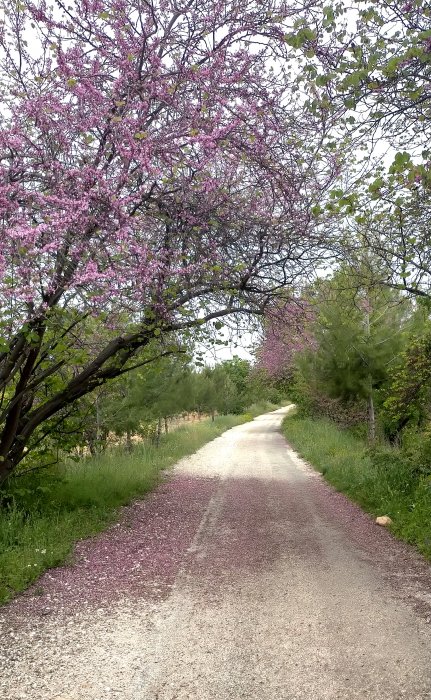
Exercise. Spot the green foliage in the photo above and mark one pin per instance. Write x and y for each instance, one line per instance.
(357, 333)
(230, 387)
(416, 448)
(408, 399)
(383, 481)
(233, 381)
(264, 406)
(163, 383)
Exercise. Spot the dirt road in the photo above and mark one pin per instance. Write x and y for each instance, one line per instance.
(243, 576)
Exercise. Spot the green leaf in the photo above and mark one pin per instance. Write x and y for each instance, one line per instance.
(376, 185)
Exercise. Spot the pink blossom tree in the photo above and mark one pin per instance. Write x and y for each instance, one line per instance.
(288, 331)
(157, 171)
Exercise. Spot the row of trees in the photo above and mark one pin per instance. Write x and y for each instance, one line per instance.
(143, 402)
(359, 354)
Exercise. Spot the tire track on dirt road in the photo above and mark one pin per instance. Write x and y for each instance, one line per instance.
(243, 576)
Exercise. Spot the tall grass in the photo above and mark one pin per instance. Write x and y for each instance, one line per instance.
(382, 481)
(264, 406)
(44, 514)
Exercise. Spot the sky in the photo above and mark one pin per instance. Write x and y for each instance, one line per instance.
(240, 344)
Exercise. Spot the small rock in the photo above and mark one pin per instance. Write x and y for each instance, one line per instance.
(384, 520)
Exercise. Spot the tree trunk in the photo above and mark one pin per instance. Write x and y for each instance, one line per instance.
(212, 416)
(92, 442)
(371, 417)
(371, 412)
(166, 425)
(129, 443)
(97, 423)
(6, 467)
(158, 432)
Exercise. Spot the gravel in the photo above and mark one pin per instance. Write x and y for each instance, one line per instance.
(243, 575)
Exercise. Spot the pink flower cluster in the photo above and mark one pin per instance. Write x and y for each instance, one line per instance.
(288, 332)
(137, 137)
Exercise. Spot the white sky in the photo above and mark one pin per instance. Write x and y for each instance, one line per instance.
(241, 345)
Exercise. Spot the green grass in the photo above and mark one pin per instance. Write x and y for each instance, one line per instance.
(48, 512)
(259, 407)
(382, 482)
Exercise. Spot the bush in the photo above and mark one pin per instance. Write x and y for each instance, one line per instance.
(416, 448)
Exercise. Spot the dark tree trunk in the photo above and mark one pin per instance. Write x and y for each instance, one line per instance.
(158, 431)
(129, 443)
(371, 418)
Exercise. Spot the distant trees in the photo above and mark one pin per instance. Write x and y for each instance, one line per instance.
(288, 330)
(350, 337)
(143, 402)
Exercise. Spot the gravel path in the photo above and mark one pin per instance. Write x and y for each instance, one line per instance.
(242, 576)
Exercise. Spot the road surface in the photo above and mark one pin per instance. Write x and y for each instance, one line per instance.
(243, 576)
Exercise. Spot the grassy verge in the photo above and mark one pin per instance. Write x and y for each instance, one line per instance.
(47, 513)
(383, 483)
(256, 409)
